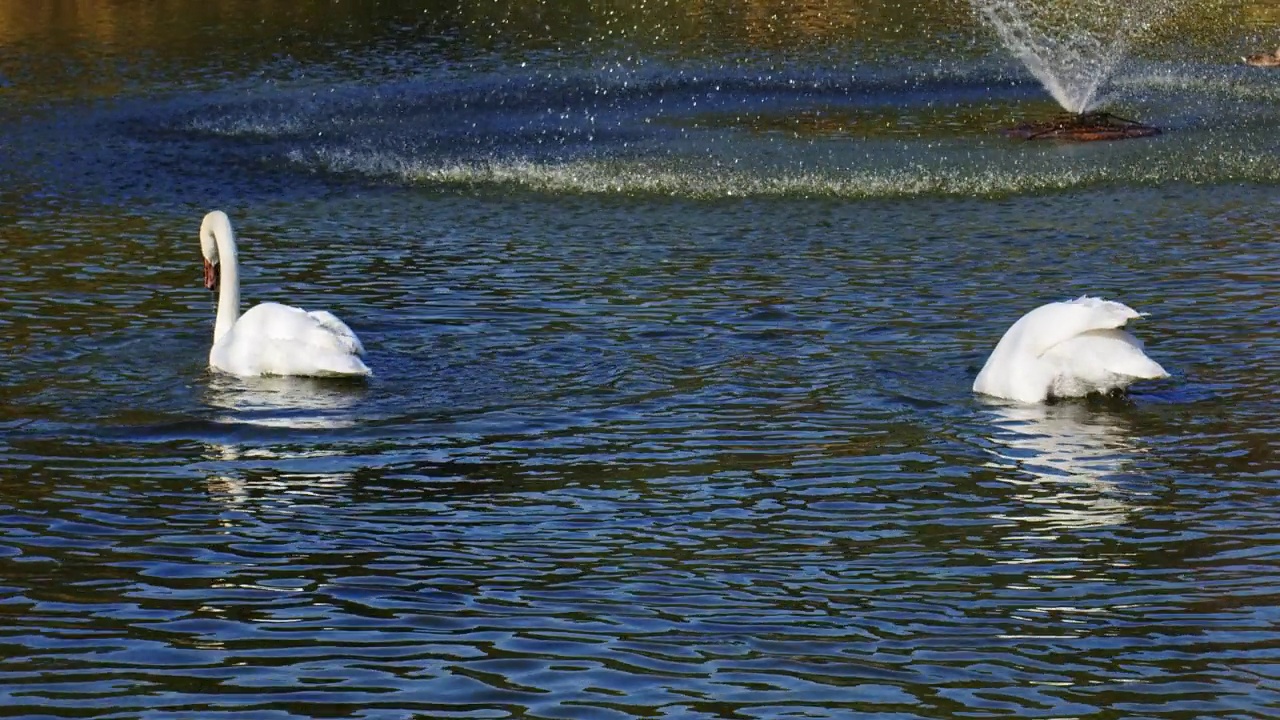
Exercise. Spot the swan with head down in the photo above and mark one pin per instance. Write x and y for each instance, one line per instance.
(270, 338)
(1067, 349)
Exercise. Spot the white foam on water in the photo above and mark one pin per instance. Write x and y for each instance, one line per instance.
(1036, 170)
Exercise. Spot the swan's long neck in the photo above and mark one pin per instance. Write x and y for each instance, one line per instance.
(229, 286)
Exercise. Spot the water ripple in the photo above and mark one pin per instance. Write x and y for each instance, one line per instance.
(705, 448)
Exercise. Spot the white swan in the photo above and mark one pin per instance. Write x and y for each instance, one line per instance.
(1067, 349)
(269, 339)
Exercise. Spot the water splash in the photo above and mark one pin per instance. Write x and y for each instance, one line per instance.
(1072, 47)
(947, 174)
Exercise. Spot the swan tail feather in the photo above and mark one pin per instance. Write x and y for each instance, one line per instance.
(345, 366)
(1106, 312)
(1049, 325)
(1101, 361)
(342, 334)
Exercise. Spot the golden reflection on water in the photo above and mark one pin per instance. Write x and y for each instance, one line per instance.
(761, 20)
(1264, 12)
(104, 48)
(754, 23)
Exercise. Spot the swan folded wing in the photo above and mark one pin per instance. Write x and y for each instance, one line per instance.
(1055, 323)
(1099, 361)
(341, 333)
(1106, 356)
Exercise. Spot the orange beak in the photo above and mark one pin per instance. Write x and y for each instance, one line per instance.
(210, 275)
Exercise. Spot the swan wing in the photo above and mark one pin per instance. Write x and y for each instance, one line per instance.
(1099, 361)
(342, 334)
(1055, 323)
(275, 339)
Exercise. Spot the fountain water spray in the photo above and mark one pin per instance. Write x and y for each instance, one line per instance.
(1074, 46)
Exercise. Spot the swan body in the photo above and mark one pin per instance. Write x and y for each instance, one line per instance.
(1067, 349)
(269, 339)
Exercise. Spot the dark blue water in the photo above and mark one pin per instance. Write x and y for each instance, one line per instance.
(673, 342)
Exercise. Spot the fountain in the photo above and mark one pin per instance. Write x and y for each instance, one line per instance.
(1073, 47)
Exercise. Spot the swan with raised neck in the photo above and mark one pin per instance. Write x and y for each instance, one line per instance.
(221, 269)
(270, 338)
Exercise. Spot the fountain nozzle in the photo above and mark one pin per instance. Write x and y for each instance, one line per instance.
(1083, 127)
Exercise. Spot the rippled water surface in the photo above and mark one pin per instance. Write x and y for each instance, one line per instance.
(673, 315)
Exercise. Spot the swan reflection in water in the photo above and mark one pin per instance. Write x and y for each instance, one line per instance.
(297, 403)
(264, 450)
(1063, 459)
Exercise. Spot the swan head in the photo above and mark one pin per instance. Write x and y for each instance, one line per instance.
(211, 275)
(215, 224)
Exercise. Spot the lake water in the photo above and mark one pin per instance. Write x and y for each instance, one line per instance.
(673, 312)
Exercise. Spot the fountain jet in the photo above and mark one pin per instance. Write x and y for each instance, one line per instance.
(1073, 47)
